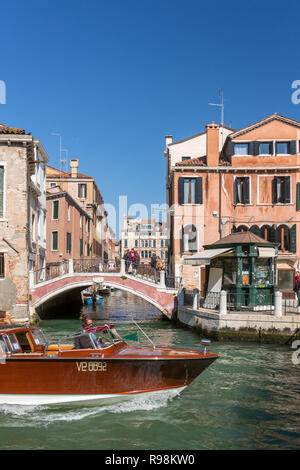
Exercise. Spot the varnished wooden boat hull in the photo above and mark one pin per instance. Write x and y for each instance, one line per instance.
(48, 380)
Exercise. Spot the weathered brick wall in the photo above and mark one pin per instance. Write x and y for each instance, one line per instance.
(14, 288)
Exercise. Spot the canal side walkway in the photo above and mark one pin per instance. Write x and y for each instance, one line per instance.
(222, 324)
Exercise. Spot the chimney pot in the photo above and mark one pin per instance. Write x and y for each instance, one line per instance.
(74, 167)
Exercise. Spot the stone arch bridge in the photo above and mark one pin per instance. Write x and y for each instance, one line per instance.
(71, 278)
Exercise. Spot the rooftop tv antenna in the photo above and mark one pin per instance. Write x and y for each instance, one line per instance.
(62, 161)
(221, 105)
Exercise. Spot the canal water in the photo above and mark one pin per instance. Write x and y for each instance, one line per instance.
(247, 399)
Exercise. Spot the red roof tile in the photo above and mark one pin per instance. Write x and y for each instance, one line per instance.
(10, 130)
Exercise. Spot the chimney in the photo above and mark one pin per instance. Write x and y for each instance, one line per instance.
(169, 140)
(74, 166)
(212, 144)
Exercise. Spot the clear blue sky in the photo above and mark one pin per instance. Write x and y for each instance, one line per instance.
(114, 77)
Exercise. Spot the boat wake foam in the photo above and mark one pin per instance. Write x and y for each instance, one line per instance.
(43, 415)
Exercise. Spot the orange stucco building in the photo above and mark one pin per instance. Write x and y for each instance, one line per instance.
(224, 180)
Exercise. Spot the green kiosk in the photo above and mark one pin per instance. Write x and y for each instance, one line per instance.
(242, 264)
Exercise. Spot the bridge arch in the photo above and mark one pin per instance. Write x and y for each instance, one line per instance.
(84, 284)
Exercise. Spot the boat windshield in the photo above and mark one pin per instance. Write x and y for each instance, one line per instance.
(109, 336)
(39, 337)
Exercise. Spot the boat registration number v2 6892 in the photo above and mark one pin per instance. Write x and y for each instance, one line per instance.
(91, 366)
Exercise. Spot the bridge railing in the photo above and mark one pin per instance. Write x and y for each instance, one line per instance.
(51, 271)
(93, 266)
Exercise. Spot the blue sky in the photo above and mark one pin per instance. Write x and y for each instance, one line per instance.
(114, 77)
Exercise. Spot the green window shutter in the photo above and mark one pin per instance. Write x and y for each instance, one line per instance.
(199, 192)
(1, 191)
(180, 190)
(274, 190)
(293, 242)
(81, 246)
(287, 190)
(54, 240)
(69, 242)
(292, 147)
(55, 209)
(298, 196)
(231, 148)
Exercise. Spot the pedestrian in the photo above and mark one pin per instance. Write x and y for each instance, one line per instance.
(153, 261)
(297, 276)
(135, 260)
(127, 260)
(297, 290)
(159, 264)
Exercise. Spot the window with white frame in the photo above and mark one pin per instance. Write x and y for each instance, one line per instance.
(241, 149)
(189, 238)
(242, 190)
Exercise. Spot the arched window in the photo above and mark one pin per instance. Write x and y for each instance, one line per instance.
(283, 238)
(256, 230)
(268, 233)
(189, 238)
(242, 228)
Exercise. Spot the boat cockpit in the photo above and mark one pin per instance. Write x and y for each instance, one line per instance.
(19, 341)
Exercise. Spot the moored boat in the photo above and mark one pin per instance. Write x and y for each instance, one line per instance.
(91, 298)
(34, 372)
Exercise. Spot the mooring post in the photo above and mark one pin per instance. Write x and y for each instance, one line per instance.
(223, 302)
(195, 299)
(278, 304)
(162, 280)
(122, 268)
(71, 266)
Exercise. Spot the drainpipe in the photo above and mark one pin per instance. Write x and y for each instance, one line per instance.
(220, 205)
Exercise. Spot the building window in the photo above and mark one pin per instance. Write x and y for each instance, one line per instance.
(265, 148)
(242, 190)
(189, 238)
(185, 158)
(81, 247)
(82, 190)
(241, 149)
(190, 190)
(55, 208)
(136, 243)
(285, 279)
(69, 242)
(282, 148)
(268, 233)
(125, 244)
(54, 241)
(2, 267)
(52, 185)
(283, 238)
(281, 190)
(69, 212)
(242, 228)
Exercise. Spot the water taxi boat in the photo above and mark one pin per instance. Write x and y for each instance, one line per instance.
(35, 372)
